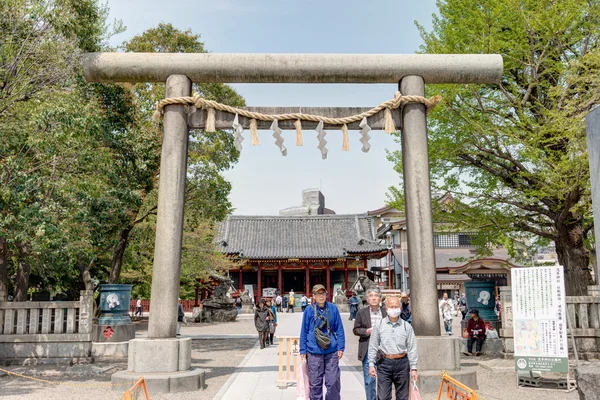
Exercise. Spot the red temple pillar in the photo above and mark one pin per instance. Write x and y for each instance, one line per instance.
(259, 284)
(346, 287)
(241, 284)
(280, 279)
(328, 281)
(307, 280)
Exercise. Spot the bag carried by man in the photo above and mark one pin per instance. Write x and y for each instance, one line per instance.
(323, 339)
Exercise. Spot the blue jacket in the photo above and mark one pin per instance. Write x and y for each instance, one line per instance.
(308, 342)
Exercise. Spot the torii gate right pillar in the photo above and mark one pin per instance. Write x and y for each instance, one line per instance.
(419, 220)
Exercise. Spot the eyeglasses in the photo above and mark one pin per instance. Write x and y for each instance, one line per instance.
(319, 294)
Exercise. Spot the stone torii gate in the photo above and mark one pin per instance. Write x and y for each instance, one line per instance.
(164, 359)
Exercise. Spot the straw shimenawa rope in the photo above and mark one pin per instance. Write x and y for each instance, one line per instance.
(200, 102)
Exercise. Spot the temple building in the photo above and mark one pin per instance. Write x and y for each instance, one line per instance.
(288, 252)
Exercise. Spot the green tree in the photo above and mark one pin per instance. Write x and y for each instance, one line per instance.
(209, 154)
(514, 154)
(43, 145)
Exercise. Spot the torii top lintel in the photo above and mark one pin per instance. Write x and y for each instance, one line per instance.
(292, 68)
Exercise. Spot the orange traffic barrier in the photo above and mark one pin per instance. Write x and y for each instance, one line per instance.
(289, 350)
(455, 390)
(133, 392)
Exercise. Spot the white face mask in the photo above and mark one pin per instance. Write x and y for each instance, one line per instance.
(393, 312)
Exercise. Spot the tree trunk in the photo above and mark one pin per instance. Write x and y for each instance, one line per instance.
(574, 257)
(86, 277)
(3, 270)
(23, 270)
(118, 253)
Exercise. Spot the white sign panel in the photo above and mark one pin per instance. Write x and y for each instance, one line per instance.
(539, 319)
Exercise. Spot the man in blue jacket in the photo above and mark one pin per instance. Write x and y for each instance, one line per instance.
(323, 361)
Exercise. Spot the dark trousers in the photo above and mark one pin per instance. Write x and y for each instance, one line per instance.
(395, 372)
(464, 314)
(478, 343)
(324, 369)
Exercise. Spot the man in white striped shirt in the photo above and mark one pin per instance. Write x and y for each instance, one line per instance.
(394, 339)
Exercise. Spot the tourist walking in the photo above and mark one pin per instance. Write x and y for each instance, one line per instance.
(393, 353)
(366, 319)
(261, 322)
(353, 304)
(272, 320)
(180, 316)
(447, 309)
(476, 330)
(238, 304)
(462, 305)
(322, 344)
(291, 301)
(406, 313)
(138, 307)
(284, 303)
(303, 302)
(278, 302)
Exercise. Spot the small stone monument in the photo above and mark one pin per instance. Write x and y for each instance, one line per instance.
(341, 301)
(219, 307)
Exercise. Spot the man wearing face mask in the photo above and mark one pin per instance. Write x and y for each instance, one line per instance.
(366, 319)
(393, 348)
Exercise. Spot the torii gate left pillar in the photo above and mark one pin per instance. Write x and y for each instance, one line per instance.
(164, 359)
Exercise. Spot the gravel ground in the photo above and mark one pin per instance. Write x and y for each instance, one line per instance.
(218, 357)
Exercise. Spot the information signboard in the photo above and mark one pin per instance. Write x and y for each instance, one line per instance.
(539, 319)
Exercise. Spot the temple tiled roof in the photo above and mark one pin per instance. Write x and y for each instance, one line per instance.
(304, 237)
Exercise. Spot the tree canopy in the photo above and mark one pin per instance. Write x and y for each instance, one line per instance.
(514, 154)
(79, 162)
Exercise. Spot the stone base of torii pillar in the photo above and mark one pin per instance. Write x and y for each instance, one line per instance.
(439, 353)
(165, 365)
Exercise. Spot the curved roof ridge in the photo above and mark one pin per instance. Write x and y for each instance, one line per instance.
(319, 216)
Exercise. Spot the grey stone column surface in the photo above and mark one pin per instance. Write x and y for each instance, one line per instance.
(593, 141)
(169, 221)
(417, 192)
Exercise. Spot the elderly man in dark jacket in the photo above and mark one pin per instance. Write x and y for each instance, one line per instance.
(366, 318)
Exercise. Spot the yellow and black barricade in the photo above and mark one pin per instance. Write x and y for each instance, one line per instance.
(133, 392)
(455, 390)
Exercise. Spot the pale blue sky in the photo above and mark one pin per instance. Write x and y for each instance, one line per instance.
(264, 181)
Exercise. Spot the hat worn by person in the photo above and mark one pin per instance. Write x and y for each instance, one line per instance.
(474, 311)
(318, 287)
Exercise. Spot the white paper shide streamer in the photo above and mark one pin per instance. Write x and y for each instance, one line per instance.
(278, 138)
(322, 141)
(237, 136)
(364, 135)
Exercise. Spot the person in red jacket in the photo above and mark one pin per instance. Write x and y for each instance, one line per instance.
(476, 330)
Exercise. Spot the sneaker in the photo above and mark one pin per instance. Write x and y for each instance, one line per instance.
(466, 353)
(478, 353)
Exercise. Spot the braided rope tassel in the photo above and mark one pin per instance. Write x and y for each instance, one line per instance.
(298, 125)
(210, 120)
(345, 144)
(388, 124)
(254, 132)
